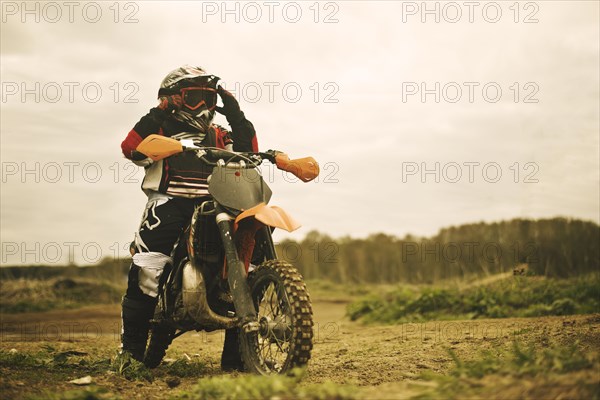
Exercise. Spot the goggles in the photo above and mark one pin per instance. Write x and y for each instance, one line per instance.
(195, 97)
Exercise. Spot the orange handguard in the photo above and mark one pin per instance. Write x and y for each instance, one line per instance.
(158, 147)
(306, 169)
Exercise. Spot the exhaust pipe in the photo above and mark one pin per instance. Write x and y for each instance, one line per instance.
(195, 301)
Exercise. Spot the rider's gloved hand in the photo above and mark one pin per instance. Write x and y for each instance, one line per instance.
(242, 131)
(146, 162)
(231, 108)
(171, 103)
(140, 159)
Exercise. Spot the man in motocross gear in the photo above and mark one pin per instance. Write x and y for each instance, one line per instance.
(187, 105)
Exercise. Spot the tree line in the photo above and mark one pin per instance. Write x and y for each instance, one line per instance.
(557, 247)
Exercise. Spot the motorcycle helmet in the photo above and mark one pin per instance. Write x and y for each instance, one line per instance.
(198, 90)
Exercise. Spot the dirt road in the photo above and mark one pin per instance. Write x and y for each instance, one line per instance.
(383, 361)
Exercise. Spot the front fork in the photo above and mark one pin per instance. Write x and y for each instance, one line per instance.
(263, 236)
(236, 275)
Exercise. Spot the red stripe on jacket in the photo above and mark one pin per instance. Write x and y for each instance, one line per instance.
(130, 143)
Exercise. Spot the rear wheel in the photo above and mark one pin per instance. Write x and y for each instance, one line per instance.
(284, 338)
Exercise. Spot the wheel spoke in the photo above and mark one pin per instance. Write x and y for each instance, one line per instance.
(274, 307)
(274, 345)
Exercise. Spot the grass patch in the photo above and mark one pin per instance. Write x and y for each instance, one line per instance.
(50, 360)
(515, 365)
(183, 368)
(71, 364)
(19, 360)
(129, 368)
(23, 295)
(89, 393)
(515, 297)
(267, 387)
(523, 361)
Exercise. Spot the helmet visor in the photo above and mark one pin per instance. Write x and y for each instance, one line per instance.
(195, 97)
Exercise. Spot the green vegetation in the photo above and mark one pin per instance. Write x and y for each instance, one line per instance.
(267, 387)
(108, 269)
(90, 393)
(243, 387)
(22, 295)
(557, 247)
(183, 368)
(65, 365)
(514, 297)
(518, 363)
(524, 361)
(129, 368)
(51, 360)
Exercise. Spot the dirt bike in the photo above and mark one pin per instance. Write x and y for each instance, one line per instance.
(213, 283)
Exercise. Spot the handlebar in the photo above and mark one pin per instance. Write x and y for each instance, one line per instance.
(158, 147)
(215, 156)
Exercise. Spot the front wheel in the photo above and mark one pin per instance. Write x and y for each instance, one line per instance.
(161, 336)
(284, 338)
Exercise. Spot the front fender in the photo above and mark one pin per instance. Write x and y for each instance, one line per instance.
(270, 215)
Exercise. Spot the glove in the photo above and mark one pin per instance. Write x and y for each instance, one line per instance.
(140, 159)
(171, 103)
(231, 108)
(146, 162)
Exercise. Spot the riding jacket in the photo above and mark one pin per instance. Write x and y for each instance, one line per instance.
(184, 174)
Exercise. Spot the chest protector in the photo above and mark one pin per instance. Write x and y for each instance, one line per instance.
(183, 174)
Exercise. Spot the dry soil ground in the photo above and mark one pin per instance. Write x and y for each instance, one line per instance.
(382, 361)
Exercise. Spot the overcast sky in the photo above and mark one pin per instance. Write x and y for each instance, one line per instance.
(497, 103)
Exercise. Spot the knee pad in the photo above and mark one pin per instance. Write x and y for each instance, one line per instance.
(151, 266)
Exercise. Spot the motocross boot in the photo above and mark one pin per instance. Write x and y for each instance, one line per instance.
(231, 359)
(136, 314)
